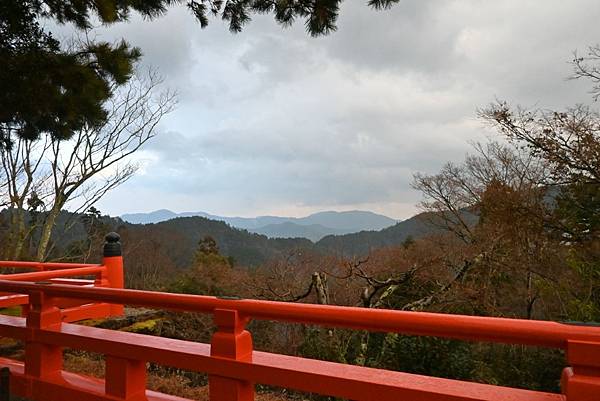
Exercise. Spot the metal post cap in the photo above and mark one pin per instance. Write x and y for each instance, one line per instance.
(112, 246)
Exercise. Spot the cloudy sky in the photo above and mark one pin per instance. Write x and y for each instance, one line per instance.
(272, 121)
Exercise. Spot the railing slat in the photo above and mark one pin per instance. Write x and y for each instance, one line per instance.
(50, 274)
(354, 382)
(473, 328)
(41, 265)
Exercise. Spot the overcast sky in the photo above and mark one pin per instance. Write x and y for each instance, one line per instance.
(272, 121)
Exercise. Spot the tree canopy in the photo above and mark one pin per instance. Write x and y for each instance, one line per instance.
(46, 87)
(319, 15)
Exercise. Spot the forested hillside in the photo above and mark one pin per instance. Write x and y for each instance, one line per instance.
(361, 243)
(178, 238)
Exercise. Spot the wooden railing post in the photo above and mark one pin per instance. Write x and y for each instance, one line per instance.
(231, 341)
(42, 360)
(581, 381)
(125, 378)
(113, 260)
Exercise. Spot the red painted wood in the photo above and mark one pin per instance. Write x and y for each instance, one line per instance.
(6, 301)
(277, 370)
(81, 387)
(50, 274)
(473, 328)
(231, 341)
(114, 278)
(41, 265)
(230, 361)
(73, 281)
(42, 360)
(581, 381)
(286, 371)
(110, 275)
(125, 378)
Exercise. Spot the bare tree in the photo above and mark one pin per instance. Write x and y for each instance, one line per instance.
(22, 181)
(46, 175)
(502, 190)
(588, 67)
(569, 140)
(454, 195)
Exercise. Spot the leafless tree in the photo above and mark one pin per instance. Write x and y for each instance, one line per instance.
(452, 196)
(588, 67)
(46, 175)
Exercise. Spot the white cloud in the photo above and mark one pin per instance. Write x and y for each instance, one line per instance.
(273, 121)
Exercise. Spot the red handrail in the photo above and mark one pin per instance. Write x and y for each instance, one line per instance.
(107, 274)
(233, 343)
(50, 274)
(41, 265)
(474, 328)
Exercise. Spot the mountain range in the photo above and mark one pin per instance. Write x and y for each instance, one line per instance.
(175, 241)
(313, 227)
(179, 238)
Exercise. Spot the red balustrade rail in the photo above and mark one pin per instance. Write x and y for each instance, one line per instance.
(234, 367)
(40, 266)
(107, 274)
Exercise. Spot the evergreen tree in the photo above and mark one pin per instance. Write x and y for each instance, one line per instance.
(45, 89)
(208, 253)
(208, 246)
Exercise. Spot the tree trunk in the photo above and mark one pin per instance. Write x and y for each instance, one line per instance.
(18, 237)
(531, 297)
(320, 284)
(46, 233)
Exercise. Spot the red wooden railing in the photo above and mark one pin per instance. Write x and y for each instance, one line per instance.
(234, 367)
(108, 274)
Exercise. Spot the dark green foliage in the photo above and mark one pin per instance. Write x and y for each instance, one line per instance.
(208, 246)
(429, 356)
(408, 242)
(578, 214)
(324, 344)
(319, 16)
(517, 366)
(586, 306)
(46, 89)
(579, 211)
(181, 236)
(79, 12)
(95, 227)
(208, 253)
(507, 365)
(189, 283)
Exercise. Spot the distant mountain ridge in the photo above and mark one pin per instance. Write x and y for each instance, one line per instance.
(253, 249)
(361, 243)
(176, 240)
(180, 237)
(313, 232)
(313, 227)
